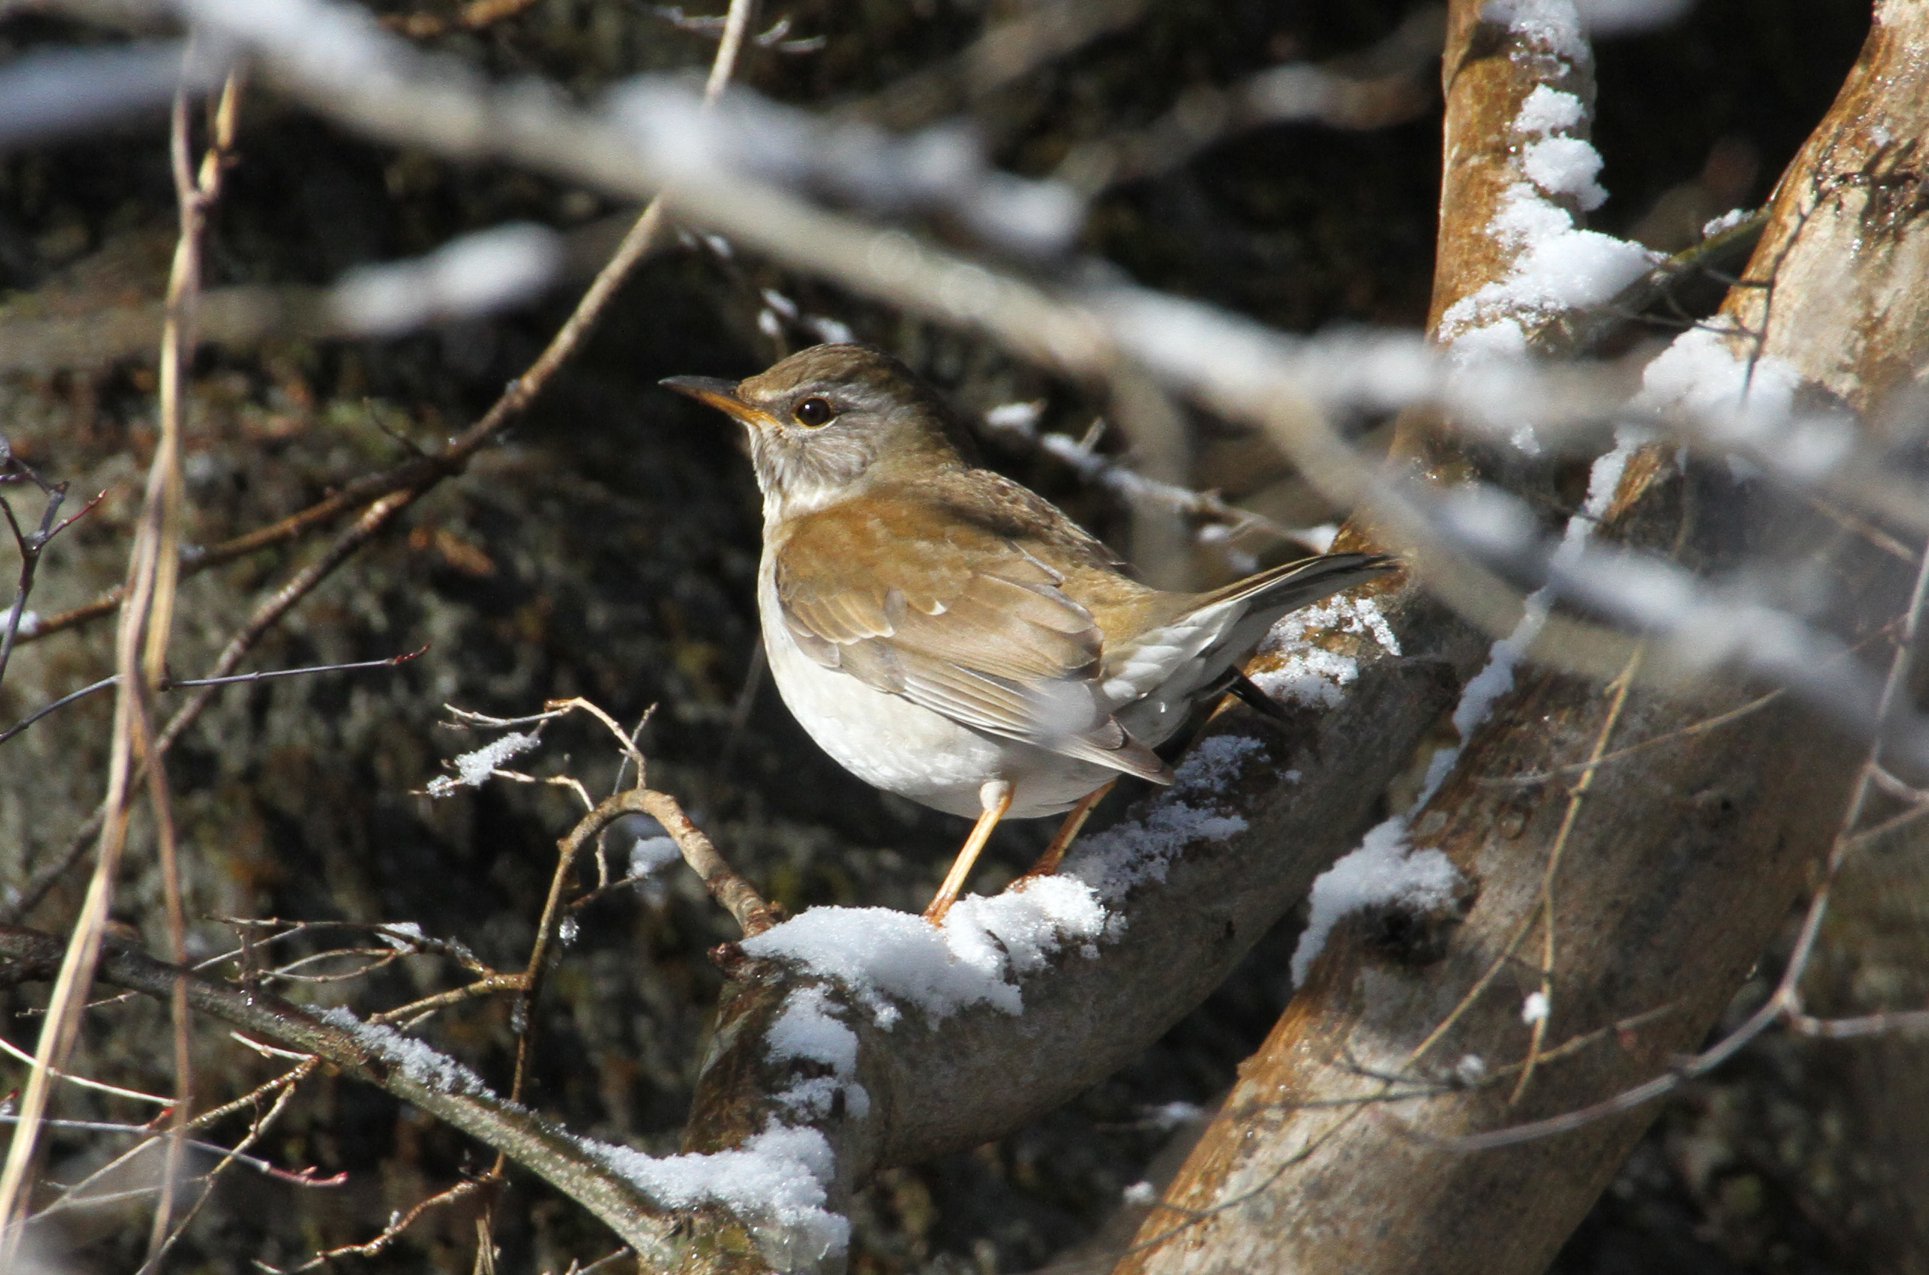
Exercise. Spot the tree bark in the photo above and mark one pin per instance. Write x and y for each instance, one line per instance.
(1668, 874)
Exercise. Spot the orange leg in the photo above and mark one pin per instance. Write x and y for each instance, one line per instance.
(995, 796)
(1067, 832)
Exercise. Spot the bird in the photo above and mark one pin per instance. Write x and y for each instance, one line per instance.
(945, 633)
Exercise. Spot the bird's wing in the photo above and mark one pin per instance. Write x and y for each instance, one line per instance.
(915, 600)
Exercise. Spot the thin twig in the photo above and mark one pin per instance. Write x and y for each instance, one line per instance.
(30, 543)
(421, 476)
(1576, 797)
(14, 1051)
(393, 1231)
(737, 896)
(136, 751)
(195, 192)
(174, 683)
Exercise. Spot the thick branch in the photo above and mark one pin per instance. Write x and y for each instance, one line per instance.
(1633, 852)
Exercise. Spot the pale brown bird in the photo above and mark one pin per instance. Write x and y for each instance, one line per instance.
(949, 635)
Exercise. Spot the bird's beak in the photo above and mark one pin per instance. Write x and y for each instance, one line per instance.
(721, 395)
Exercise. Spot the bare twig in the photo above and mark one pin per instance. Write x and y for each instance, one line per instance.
(30, 543)
(196, 193)
(737, 896)
(633, 1215)
(169, 684)
(394, 1230)
(137, 750)
(1576, 797)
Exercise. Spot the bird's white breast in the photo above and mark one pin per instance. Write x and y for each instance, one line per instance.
(903, 748)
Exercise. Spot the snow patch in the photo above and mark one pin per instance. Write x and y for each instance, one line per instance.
(1140, 849)
(1556, 266)
(1017, 418)
(1308, 674)
(1553, 24)
(403, 936)
(808, 1029)
(1496, 677)
(1701, 373)
(417, 1059)
(1565, 166)
(1172, 1115)
(474, 275)
(1383, 872)
(1727, 221)
(828, 330)
(775, 1181)
(650, 854)
(887, 959)
(1549, 110)
(473, 768)
(1534, 1009)
(1319, 538)
(1625, 17)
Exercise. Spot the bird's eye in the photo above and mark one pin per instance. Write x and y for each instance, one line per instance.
(814, 412)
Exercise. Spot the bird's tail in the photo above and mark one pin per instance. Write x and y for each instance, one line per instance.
(1293, 585)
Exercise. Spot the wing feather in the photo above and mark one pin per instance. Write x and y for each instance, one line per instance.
(957, 618)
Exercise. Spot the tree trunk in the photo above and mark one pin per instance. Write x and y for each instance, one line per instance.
(1667, 873)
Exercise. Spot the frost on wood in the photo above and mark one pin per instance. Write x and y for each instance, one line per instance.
(1306, 673)
(1193, 810)
(809, 1030)
(1556, 267)
(1383, 872)
(887, 959)
(473, 768)
(417, 1059)
(1496, 676)
(774, 1183)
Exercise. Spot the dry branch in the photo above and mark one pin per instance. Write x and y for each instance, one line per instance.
(523, 1136)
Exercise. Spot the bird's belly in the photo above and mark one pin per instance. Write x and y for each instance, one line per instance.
(903, 748)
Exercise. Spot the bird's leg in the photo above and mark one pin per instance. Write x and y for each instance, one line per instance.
(1067, 832)
(1249, 693)
(995, 797)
